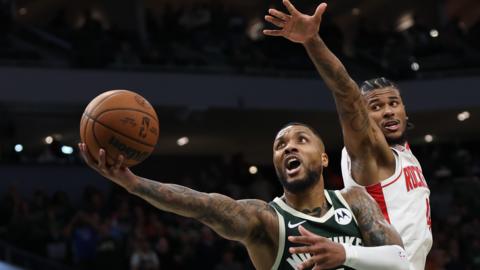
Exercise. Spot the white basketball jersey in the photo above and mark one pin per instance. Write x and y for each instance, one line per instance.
(404, 201)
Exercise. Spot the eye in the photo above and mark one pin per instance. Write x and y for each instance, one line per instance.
(280, 145)
(394, 103)
(302, 139)
(375, 107)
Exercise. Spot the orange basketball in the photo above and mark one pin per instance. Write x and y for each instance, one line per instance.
(121, 122)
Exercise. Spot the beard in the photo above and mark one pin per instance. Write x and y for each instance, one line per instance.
(299, 185)
(397, 141)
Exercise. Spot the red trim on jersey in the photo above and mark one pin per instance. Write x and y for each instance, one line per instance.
(394, 180)
(407, 146)
(376, 192)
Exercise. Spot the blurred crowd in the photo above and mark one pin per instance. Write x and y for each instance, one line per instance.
(213, 36)
(111, 228)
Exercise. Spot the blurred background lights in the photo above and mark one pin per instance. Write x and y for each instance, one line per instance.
(18, 148)
(48, 140)
(67, 150)
(253, 170)
(182, 141)
(415, 66)
(463, 116)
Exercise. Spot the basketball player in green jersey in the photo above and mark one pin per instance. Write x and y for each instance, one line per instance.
(354, 234)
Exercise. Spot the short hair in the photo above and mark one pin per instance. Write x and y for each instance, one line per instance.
(376, 83)
(379, 83)
(304, 125)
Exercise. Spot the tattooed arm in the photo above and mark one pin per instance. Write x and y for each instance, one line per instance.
(375, 230)
(252, 222)
(383, 246)
(363, 139)
(234, 220)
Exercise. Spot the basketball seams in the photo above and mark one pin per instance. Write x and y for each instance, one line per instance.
(105, 99)
(97, 141)
(120, 133)
(127, 109)
(85, 134)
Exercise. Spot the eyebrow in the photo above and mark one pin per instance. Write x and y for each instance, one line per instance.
(377, 99)
(301, 132)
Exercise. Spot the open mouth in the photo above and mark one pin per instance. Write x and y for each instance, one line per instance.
(292, 165)
(392, 125)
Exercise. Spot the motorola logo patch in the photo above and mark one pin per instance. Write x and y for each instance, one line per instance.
(343, 216)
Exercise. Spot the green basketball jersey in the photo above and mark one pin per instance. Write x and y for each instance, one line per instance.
(338, 224)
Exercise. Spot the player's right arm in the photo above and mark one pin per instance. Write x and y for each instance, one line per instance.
(243, 220)
(363, 139)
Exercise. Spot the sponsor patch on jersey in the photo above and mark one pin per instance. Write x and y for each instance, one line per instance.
(343, 216)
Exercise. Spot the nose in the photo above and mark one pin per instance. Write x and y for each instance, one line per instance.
(290, 148)
(388, 112)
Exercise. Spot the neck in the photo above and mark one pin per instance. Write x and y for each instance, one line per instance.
(309, 200)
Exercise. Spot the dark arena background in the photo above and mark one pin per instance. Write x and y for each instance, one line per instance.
(221, 90)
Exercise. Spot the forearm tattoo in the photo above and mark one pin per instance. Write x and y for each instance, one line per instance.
(376, 231)
(223, 214)
(350, 104)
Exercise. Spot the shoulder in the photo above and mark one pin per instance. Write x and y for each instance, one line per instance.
(352, 193)
(357, 198)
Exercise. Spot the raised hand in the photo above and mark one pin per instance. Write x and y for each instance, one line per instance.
(325, 254)
(296, 26)
(117, 172)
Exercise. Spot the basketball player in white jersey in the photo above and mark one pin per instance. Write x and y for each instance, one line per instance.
(373, 120)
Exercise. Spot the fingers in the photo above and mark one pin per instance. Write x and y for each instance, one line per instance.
(317, 262)
(275, 21)
(102, 163)
(275, 33)
(319, 11)
(302, 249)
(307, 240)
(290, 7)
(118, 164)
(279, 14)
(306, 264)
(306, 232)
(85, 155)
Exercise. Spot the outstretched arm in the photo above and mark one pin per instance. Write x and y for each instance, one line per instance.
(362, 137)
(234, 220)
(383, 246)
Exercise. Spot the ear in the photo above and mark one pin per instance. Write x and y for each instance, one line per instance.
(324, 160)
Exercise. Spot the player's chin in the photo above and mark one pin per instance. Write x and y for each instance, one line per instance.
(396, 137)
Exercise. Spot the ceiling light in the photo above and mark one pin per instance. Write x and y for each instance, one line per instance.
(434, 33)
(463, 116)
(415, 66)
(67, 150)
(48, 140)
(18, 148)
(253, 170)
(182, 141)
(428, 138)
